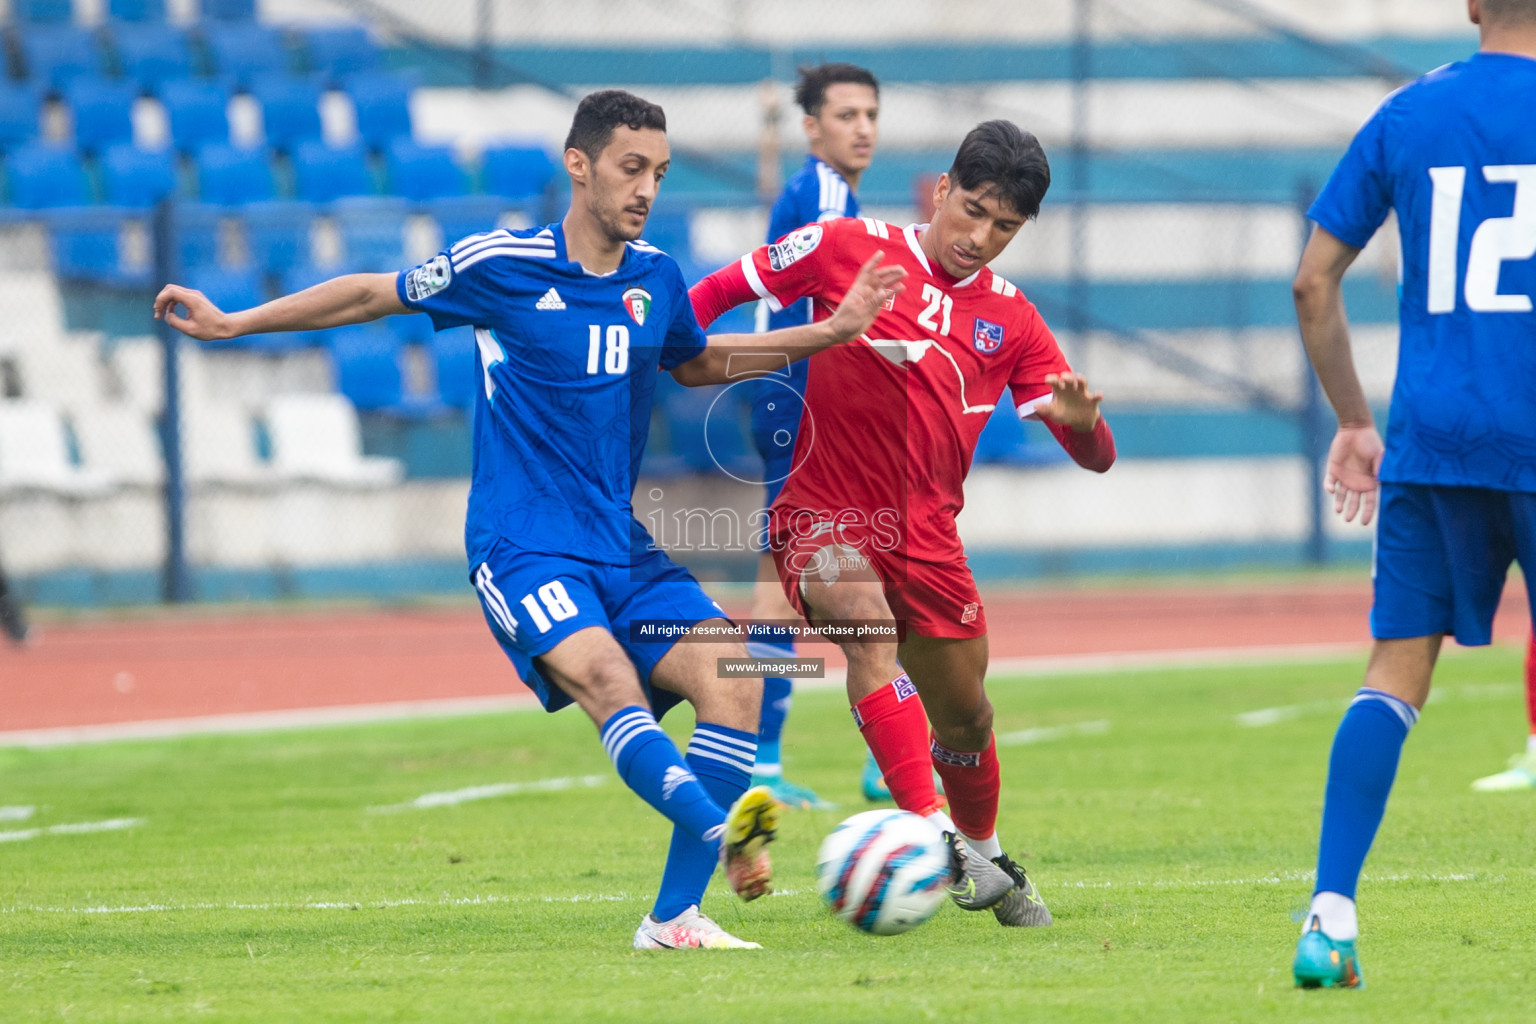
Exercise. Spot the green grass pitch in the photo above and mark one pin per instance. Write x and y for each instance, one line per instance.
(1173, 849)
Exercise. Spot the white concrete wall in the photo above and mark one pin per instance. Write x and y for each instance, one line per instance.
(625, 22)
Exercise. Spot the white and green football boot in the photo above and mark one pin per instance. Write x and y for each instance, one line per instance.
(1521, 774)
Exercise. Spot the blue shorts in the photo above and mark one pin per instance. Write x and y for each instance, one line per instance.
(1441, 557)
(533, 601)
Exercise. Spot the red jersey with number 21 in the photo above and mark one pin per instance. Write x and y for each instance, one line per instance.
(891, 420)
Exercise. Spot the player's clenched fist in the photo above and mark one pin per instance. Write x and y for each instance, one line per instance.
(203, 321)
(872, 289)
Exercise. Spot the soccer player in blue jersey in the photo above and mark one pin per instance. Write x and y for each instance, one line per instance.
(1454, 155)
(573, 321)
(842, 110)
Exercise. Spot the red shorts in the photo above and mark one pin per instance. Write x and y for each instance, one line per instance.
(933, 599)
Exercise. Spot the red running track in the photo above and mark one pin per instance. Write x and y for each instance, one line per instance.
(182, 664)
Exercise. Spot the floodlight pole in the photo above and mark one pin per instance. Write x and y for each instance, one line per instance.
(1314, 427)
(1077, 271)
(176, 585)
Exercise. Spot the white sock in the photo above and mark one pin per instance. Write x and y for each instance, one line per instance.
(1530, 743)
(1336, 913)
(940, 821)
(989, 847)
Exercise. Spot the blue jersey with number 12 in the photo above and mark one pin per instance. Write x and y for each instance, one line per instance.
(1454, 154)
(567, 362)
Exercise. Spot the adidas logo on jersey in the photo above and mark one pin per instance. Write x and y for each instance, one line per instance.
(551, 300)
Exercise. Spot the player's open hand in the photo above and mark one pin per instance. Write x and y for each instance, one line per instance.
(874, 288)
(1072, 404)
(203, 320)
(1354, 472)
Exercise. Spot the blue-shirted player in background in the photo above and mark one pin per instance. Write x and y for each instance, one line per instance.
(842, 109)
(1454, 154)
(573, 321)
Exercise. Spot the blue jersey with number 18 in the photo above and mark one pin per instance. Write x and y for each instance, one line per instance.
(1454, 154)
(567, 365)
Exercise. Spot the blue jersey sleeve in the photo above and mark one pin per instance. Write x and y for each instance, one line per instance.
(1359, 192)
(685, 338)
(452, 298)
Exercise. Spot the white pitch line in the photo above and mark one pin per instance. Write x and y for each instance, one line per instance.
(1289, 712)
(361, 714)
(14, 813)
(490, 792)
(1279, 878)
(78, 828)
(1045, 734)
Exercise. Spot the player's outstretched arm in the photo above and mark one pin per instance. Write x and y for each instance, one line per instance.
(729, 357)
(1354, 458)
(1071, 414)
(349, 299)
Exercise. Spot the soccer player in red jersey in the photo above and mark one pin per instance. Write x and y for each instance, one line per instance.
(864, 529)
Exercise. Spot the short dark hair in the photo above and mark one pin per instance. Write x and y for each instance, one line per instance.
(1509, 12)
(599, 114)
(811, 88)
(1009, 160)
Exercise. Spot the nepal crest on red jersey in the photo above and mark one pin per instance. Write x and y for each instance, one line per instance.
(988, 337)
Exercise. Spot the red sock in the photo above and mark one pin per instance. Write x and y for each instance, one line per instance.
(1530, 683)
(896, 728)
(971, 781)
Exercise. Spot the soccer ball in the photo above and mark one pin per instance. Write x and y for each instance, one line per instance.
(884, 872)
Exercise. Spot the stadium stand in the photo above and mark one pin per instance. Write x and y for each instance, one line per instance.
(102, 112)
(53, 55)
(241, 52)
(323, 173)
(232, 175)
(382, 100)
(290, 109)
(197, 113)
(338, 52)
(151, 54)
(137, 178)
(20, 114)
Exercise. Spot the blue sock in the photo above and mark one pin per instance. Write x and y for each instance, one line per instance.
(772, 642)
(722, 759)
(649, 763)
(1360, 773)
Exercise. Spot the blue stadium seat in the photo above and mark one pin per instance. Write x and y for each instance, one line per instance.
(423, 172)
(242, 53)
(339, 51)
(461, 216)
(411, 328)
(137, 178)
(230, 175)
(373, 230)
(44, 176)
(517, 172)
(102, 111)
(151, 54)
(453, 363)
(55, 55)
(383, 102)
(229, 10)
(137, 11)
(323, 173)
(232, 290)
(667, 230)
(1004, 442)
(366, 362)
(85, 244)
(290, 109)
(20, 114)
(198, 113)
(277, 234)
(709, 436)
(196, 229)
(43, 12)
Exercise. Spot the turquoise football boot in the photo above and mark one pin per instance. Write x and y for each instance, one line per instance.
(1322, 962)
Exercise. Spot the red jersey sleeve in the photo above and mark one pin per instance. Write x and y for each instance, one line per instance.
(786, 271)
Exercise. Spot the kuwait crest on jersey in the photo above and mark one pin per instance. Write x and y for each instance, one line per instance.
(637, 303)
(988, 337)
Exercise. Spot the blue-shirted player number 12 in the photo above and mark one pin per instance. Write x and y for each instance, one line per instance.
(615, 360)
(556, 599)
(1496, 239)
